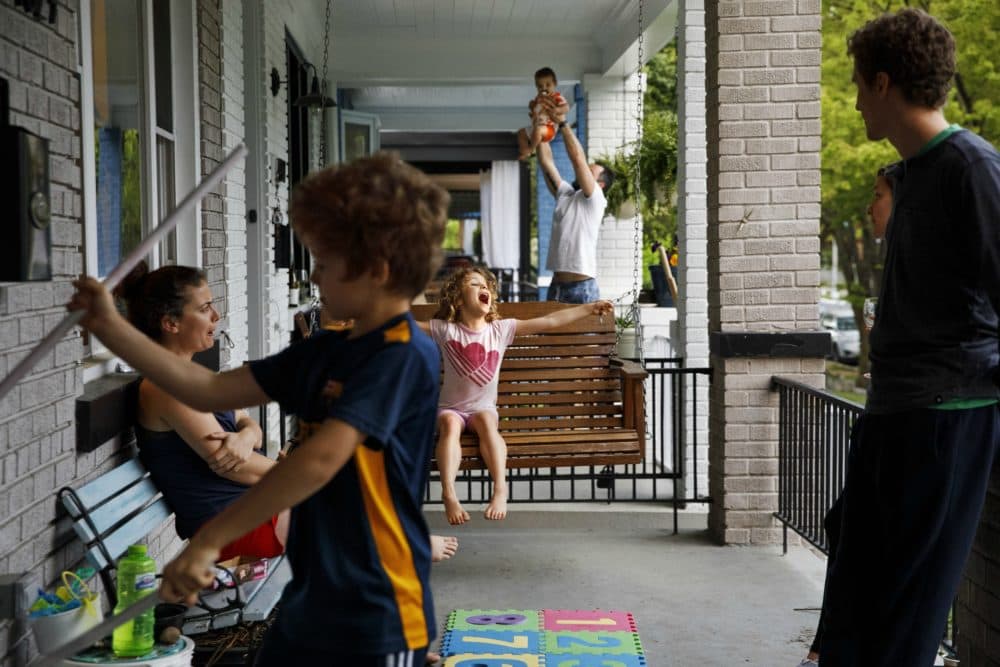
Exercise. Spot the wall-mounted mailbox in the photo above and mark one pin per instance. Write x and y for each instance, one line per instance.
(26, 251)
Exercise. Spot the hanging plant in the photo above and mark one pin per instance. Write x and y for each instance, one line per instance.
(622, 188)
(657, 158)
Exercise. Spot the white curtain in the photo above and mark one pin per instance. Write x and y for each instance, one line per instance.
(500, 196)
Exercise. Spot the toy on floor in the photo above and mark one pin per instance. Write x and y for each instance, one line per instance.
(546, 637)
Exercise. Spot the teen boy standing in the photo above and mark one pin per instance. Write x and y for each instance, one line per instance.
(922, 452)
(358, 544)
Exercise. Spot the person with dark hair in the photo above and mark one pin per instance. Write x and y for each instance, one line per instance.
(201, 462)
(879, 211)
(542, 128)
(922, 451)
(366, 399)
(576, 221)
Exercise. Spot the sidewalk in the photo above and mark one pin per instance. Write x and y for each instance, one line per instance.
(695, 603)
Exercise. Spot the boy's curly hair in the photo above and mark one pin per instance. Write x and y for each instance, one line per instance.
(913, 48)
(451, 294)
(375, 209)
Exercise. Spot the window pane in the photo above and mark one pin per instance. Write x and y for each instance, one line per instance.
(117, 112)
(162, 65)
(167, 195)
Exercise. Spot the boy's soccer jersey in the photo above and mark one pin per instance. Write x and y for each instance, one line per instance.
(359, 547)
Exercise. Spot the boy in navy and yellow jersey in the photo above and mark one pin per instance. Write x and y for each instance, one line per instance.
(358, 543)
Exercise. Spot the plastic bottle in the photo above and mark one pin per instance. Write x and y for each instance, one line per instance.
(136, 580)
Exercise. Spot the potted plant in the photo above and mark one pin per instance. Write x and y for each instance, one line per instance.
(626, 342)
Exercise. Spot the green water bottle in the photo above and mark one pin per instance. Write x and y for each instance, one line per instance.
(136, 580)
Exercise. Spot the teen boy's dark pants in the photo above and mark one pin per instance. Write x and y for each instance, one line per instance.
(915, 487)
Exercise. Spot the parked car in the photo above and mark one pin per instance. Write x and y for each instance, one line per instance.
(837, 317)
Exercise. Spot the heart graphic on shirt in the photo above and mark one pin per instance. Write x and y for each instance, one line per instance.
(473, 361)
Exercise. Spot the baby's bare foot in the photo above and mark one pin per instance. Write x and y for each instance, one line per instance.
(455, 512)
(497, 509)
(443, 548)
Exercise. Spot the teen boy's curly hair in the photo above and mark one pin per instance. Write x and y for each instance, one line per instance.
(913, 48)
(451, 294)
(375, 208)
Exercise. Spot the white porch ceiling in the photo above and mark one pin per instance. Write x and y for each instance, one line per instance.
(467, 65)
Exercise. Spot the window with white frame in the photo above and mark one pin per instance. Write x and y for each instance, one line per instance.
(139, 80)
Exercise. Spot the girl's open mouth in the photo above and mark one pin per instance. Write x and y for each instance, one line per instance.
(484, 298)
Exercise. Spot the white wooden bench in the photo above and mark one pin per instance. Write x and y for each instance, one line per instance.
(121, 507)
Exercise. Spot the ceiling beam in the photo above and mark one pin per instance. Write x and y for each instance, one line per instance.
(619, 41)
(376, 59)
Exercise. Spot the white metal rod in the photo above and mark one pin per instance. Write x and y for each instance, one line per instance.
(124, 267)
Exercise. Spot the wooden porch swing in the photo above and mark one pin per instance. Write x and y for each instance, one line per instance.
(564, 398)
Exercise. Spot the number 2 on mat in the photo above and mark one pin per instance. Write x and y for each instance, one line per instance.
(601, 642)
(519, 641)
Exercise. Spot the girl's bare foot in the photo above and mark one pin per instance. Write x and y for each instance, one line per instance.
(432, 658)
(455, 512)
(443, 548)
(497, 509)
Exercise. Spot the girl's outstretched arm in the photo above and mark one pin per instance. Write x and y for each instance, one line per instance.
(562, 317)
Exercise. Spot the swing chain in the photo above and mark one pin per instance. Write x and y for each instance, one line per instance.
(634, 312)
(322, 110)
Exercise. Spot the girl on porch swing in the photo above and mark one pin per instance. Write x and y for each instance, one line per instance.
(473, 338)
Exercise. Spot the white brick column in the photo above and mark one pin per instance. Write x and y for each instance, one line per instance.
(234, 186)
(612, 109)
(762, 71)
(692, 224)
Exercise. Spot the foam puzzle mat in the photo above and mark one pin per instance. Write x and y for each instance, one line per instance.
(541, 638)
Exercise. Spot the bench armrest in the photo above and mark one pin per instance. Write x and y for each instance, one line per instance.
(633, 377)
(631, 370)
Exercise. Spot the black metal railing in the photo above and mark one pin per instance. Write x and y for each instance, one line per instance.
(814, 432)
(676, 444)
(674, 468)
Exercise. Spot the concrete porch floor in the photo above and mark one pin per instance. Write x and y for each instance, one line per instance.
(695, 603)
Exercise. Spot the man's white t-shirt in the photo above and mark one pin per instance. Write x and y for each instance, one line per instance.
(576, 223)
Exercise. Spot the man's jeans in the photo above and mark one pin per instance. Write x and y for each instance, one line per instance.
(580, 291)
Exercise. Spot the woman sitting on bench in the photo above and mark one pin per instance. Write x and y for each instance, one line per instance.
(201, 462)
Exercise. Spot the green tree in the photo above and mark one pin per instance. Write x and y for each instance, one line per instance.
(850, 160)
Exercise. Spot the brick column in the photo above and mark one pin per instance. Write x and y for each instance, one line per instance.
(212, 153)
(762, 72)
(234, 267)
(692, 219)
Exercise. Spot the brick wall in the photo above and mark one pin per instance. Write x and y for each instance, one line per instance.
(978, 613)
(763, 132)
(37, 430)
